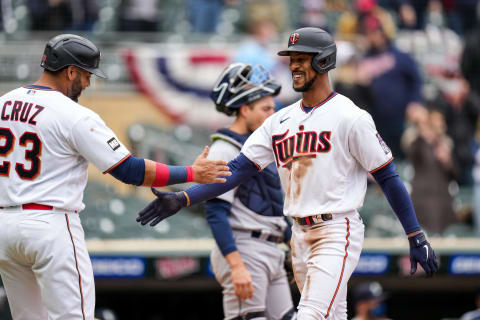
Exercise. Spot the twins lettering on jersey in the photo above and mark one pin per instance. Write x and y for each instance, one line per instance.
(303, 144)
(20, 111)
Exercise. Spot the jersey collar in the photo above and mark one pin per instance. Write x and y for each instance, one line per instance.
(308, 109)
(37, 87)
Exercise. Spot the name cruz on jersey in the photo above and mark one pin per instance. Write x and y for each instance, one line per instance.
(20, 111)
(303, 144)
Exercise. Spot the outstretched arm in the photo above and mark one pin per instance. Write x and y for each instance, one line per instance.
(169, 203)
(399, 199)
(149, 173)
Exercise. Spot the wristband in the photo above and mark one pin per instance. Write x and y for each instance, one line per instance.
(190, 172)
(162, 175)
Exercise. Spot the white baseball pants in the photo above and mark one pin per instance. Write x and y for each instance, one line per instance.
(324, 257)
(44, 265)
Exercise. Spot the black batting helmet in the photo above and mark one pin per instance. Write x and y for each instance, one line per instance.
(241, 84)
(71, 50)
(313, 40)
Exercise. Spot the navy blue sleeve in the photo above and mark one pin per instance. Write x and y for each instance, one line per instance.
(241, 167)
(130, 171)
(398, 197)
(217, 212)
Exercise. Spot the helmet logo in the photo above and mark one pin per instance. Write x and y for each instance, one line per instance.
(44, 59)
(294, 38)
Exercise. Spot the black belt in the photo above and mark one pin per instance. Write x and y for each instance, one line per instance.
(311, 220)
(258, 234)
(251, 315)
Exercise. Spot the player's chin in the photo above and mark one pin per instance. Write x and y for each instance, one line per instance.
(299, 87)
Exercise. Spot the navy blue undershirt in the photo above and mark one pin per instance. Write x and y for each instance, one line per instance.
(217, 212)
(130, 171)
(398, 197)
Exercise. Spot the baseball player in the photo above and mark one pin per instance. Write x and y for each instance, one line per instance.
(46, 142)
(248, 222)
(324, 146)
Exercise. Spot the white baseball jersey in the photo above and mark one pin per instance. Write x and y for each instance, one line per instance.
(323, 156)
(46, 142)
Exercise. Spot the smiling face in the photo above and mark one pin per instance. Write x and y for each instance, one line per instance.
(303, 74)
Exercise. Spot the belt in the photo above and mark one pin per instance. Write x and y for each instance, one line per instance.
(251, 315)
(32, 206)
(311, 220)
(271, 238)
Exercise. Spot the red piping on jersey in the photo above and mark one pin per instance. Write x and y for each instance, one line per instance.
(117, 164)
(382, 166)
(343, 268)
(330, 96)
(36, 87)
(76, 265)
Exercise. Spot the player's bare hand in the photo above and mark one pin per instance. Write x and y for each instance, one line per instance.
(242, 282)
(209, 171)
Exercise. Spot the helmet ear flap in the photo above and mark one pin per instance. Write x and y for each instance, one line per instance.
(323, 64)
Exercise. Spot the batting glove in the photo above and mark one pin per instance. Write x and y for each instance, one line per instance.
(166, 205)
(421, 252)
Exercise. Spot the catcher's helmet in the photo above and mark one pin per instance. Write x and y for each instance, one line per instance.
(71, 50)
(241, 84)
(313, 40)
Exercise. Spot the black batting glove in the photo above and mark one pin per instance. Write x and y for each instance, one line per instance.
(166, 205)
(421, 252)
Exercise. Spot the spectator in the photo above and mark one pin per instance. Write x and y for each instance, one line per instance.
(392, 79)
(429, 150)
(461, 14)
(461, 107)
(139, 15)
(475, 314)
(313, 14)
(255, 50)
(273, 10)
(348, 22)
(369, 300)
(49, 14)
(470, 67)
(470, 63)
(84, 14)
(204, 15)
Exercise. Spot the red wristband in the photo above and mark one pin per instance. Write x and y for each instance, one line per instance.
(161, 175)
(189, 173)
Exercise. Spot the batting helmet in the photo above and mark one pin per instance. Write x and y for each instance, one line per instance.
(313, 40)
(241, 84)
(71, 50)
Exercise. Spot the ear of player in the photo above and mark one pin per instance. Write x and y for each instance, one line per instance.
(421, 252)
(165, 205)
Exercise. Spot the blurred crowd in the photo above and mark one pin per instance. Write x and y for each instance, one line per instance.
(413, 64)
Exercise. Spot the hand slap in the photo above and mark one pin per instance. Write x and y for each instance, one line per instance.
(166, 205)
